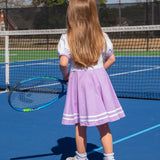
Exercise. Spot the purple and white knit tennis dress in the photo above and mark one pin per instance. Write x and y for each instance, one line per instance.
(91, 99)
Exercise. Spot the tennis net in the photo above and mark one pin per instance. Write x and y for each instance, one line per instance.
(136, 73)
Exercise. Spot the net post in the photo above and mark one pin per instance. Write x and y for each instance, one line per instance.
(147, 22)
(120, 12)
(7, 61)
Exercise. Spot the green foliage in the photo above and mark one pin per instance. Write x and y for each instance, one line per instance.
(49, 3)
(108, 16)
(102, 2)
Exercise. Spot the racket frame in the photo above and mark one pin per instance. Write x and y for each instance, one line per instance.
(12, 90)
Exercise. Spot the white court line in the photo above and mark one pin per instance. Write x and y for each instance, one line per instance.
(48, 63)
(143, 70)
(140, 56)
(37, 60)
(45, 85)
(117, 74)
(127, 137)
(3, 92)
(116, 56)
(9, 55)
(134, 65)
(53, 84)
(34, 60)
(22, 65)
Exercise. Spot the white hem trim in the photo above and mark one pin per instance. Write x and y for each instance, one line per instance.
(92, 120)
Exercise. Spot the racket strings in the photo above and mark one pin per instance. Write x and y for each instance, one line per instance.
(35, 93)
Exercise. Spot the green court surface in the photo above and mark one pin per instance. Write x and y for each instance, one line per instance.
(26, 55)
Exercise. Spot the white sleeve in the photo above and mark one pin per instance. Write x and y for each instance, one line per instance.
(109, 51)
(63, 47)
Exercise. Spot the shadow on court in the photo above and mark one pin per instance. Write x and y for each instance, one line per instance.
(41, 136)
(66, 147)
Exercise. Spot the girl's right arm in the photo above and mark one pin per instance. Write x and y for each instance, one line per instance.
(109, 61)
(109, 57)
(64, 67)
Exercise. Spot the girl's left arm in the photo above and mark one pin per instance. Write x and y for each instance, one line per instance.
(64, 60)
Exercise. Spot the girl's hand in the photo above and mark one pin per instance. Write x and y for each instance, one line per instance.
(66, 79)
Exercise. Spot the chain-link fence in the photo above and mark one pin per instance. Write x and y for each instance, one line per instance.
(119, 14)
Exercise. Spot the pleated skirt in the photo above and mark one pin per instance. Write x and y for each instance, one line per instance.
(91, 99)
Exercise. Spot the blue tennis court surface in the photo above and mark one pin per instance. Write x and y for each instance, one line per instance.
(39, 135)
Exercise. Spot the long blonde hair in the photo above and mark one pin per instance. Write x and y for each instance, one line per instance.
(84, 33)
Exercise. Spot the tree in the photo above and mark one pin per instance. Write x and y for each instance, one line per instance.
(49, 3)
(102, 2)
(13, 3)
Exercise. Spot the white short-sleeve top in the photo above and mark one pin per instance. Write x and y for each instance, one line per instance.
(63, 49)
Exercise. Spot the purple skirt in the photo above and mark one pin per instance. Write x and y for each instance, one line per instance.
(91, 99)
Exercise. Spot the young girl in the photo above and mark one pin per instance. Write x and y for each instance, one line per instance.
(91, 100)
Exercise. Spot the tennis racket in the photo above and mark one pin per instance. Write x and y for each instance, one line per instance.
(36, 93)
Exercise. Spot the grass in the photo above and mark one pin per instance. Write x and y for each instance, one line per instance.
(27, 55)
